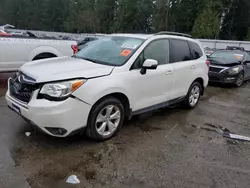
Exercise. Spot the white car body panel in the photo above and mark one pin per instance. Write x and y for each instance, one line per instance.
(63, 68)
(69, 114)
(167, 82)
(15, 51)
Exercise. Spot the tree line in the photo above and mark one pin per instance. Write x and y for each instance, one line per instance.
(214, 19)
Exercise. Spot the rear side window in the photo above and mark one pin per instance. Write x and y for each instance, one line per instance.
(179, 51)
(195, 50)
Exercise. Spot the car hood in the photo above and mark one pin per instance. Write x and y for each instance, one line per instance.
(223, 62)
(64, 68)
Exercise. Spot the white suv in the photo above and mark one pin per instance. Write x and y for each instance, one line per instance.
(109, 80)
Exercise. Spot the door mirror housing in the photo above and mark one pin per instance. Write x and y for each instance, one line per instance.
(149, 64)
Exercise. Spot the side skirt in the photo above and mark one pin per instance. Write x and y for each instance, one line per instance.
(157, 106)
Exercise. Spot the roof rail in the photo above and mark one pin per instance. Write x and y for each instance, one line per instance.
(174, 33)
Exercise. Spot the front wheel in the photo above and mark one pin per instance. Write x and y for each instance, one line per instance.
(193, 96)
(240, 79)
(105, 119)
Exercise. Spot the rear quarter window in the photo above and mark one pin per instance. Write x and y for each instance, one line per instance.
(195, 50)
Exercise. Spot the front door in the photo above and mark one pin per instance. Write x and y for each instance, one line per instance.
(155, 87)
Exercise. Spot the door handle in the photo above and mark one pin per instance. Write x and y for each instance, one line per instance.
(169, 72)
(193, 66)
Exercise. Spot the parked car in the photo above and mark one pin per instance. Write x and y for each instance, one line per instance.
(111, 79)
(4, 33)
(6, 26)
(83, 42)
(209, 51)
(235, 48)
(229, 66)
(17, 50)
(17, 33)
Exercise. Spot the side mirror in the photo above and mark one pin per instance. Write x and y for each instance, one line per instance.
(149, 64)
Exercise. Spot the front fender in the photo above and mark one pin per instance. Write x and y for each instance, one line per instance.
(44, 49)
(109, 92)
(93, 96)
(95, 89)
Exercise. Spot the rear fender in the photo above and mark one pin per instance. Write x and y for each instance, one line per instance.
(44, 49)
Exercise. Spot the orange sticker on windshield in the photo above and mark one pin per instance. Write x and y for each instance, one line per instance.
(238, 56)
(125, 53)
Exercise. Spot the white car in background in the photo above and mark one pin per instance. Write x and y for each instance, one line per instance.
(110, 79)
(17, 50)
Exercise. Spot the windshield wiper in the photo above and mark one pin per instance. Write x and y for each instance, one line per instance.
(88, 59)
(92, 60)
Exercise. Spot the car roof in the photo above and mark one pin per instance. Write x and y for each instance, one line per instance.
(232, 51)
(139, 36)
(146, 36)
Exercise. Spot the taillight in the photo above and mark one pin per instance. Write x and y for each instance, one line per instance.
(74, 48)
(208, 63)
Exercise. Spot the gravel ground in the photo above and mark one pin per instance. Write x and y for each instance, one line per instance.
(170, 147)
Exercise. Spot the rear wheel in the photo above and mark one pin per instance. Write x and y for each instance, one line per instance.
(240, 79)
(193, 96)
(105, 119)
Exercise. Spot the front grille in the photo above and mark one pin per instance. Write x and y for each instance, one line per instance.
(213, 78)
(21, 91)
(215, 69)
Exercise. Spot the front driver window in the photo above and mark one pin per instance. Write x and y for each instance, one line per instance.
(157, 50)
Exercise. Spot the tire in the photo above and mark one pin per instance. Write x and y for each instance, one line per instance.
(100, 117)
(239, 80)
(195, 91)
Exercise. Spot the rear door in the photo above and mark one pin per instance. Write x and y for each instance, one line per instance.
(183, 66)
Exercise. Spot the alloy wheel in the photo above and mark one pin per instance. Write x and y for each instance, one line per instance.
(240, 79)
(108, 120)
(194, 95)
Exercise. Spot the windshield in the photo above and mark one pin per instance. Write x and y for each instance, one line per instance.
(110, 50)
(228, 56)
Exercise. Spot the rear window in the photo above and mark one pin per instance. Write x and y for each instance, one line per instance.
(229, 56)
(179, 51)
(195, 50)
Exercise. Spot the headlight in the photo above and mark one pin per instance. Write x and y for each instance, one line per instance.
(234, 70)
(61, 89)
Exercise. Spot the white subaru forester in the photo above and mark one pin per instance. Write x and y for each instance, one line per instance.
(110, 79)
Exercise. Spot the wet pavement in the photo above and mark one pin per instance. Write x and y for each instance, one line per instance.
(170, 147)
